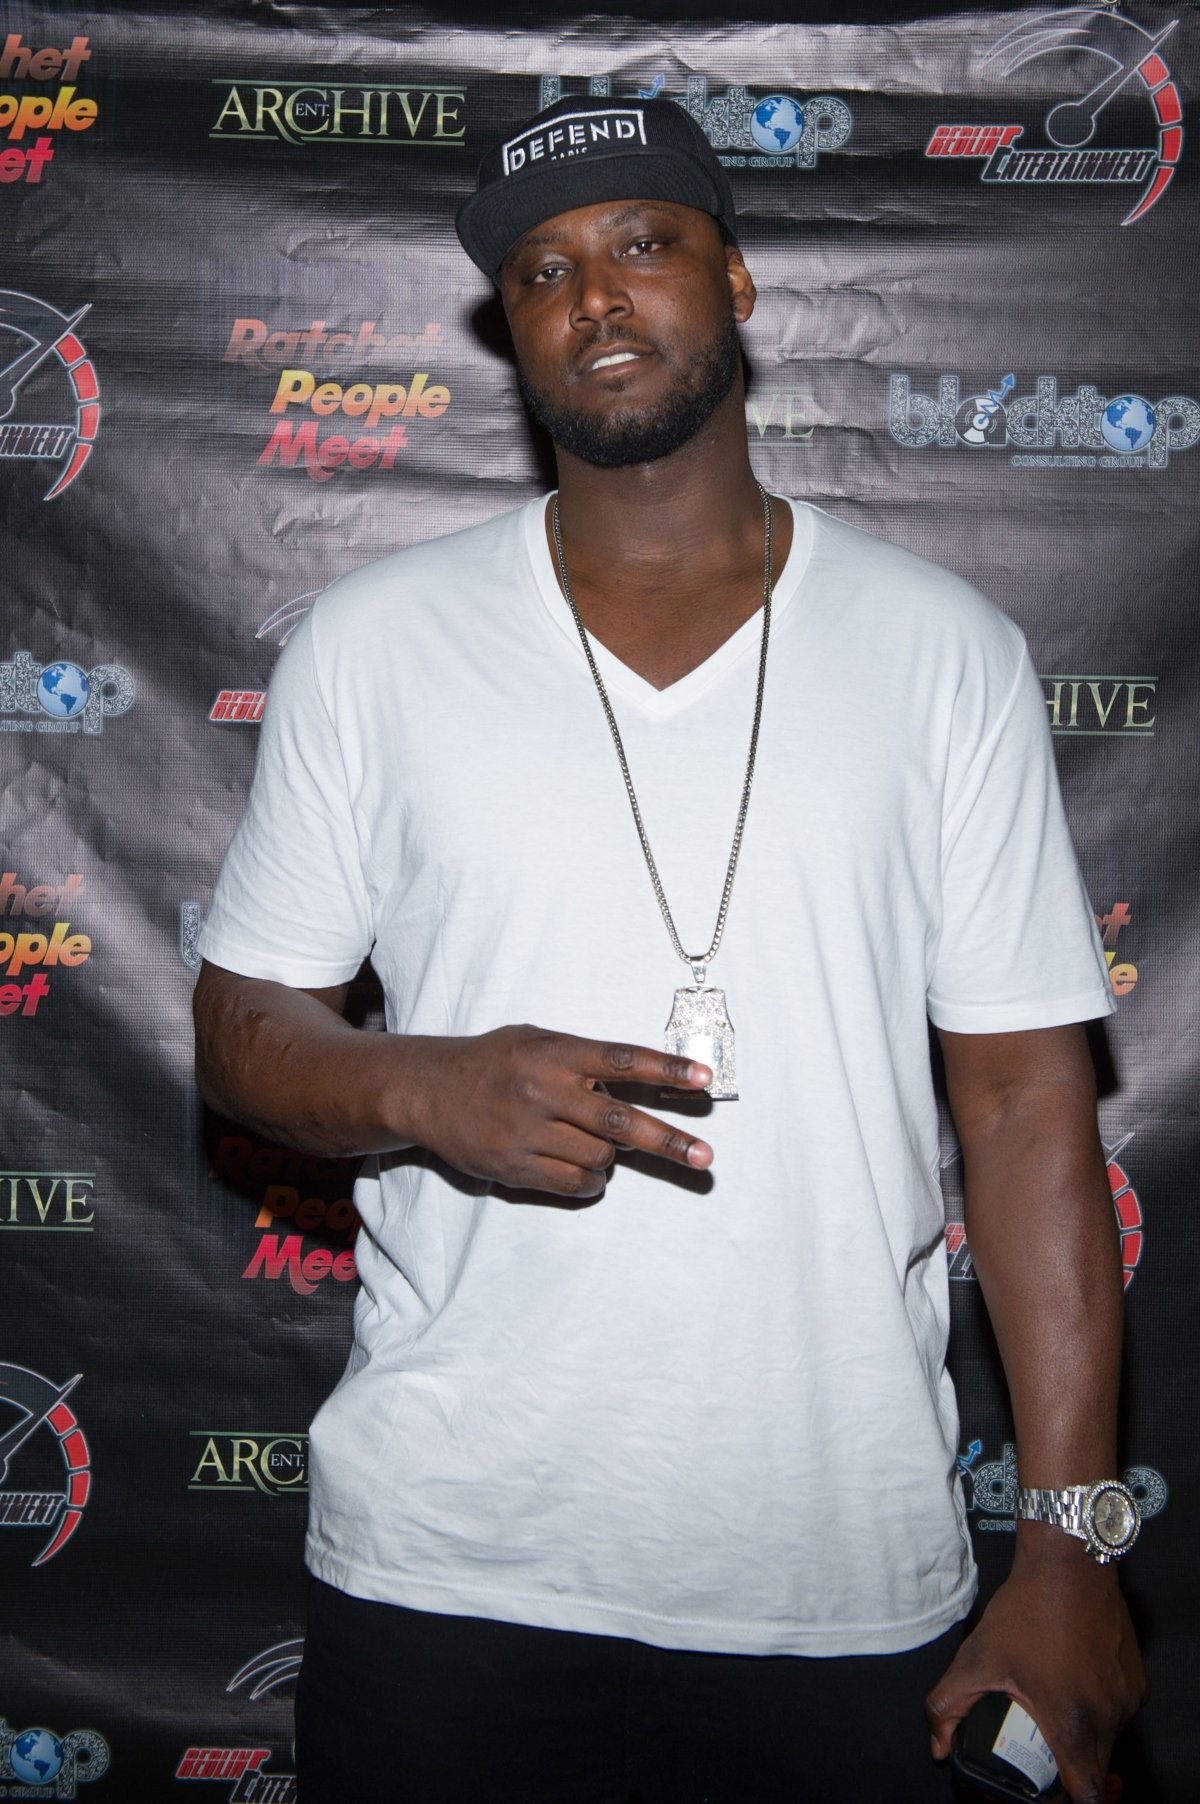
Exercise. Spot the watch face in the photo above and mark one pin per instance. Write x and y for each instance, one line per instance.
(1113, 1518)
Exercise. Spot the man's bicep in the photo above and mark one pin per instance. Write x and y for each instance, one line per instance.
(997, 1081)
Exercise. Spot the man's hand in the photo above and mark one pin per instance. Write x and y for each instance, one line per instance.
(518, 1106)
(1057, 1638)
(526, 1108)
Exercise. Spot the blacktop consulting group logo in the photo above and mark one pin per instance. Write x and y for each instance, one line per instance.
(37, 1763)
(47, 1431)
(49, 383)
(1043, 429)
(61, 697)
(756, 131)
(1122, 68)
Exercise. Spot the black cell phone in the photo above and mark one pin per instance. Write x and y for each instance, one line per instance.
(999, 1755)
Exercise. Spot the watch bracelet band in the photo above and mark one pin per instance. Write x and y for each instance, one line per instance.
(1062, 1509)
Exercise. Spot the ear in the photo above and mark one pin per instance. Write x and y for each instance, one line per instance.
(741, 287)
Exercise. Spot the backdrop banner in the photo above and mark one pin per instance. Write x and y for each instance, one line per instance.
(241, 352)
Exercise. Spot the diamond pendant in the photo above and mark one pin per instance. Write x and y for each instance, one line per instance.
(700, 1029)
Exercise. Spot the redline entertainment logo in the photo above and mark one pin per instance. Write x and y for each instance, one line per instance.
(282, 622)
(46, 341)
(241, 1768)
(1127, 1207)
(232, 1460)
(772, 131)
(45, 1765)
(1122, 977)
(366, 113)
(1094, 707)
(990, 1488)
(1124, 65)
(1127, 432)
(244, 706)
(64, 697)
(40, 113)
(38, 951)
(40, 1404)
(47, 1202)
(303, 399)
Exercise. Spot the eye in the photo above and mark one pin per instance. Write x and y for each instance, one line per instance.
(546, 272)
(645, 247)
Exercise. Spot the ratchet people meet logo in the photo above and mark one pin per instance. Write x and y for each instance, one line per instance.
(755, 131)
(27, 953)
(1043, 429)
(1117, 117)
(49, 391)
(31, 119)
(1127, 1207)
(328, 415)
(298, 1195)
(43, 1448)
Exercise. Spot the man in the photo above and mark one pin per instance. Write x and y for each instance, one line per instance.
(641, 1479)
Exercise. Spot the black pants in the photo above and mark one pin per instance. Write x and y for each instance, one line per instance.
(396, 1706)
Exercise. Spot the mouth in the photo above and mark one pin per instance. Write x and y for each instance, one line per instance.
(620, 357)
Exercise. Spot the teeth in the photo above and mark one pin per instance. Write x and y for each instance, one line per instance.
(603, 363)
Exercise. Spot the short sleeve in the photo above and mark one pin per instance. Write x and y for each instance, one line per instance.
(291, 903)
(1018, 947)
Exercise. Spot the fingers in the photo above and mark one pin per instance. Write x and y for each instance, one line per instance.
(620, 1124)
(945, 1708)
(641, 1065)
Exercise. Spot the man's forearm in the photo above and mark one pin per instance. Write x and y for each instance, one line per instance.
(285, 1062)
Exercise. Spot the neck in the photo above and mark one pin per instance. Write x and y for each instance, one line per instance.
(689, 514)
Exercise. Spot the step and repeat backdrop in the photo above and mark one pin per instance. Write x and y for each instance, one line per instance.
(241, 353)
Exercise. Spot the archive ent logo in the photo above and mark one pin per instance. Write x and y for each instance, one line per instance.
(241, 1769)
(47, 1202)
(1127, 1206)
(27, 953)
(328, 414)
(755, 131)
(42, 1443)
(62, 697)
(990, 1488)
(1043, 430)
(232, 1460)
(37, 1763)
(40, 100)
(298, 1195)
(367, 114)
(49, 383)
(1091, 707)
(1120, 121)
(778, 416)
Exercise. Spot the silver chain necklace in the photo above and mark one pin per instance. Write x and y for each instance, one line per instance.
(699, 1027)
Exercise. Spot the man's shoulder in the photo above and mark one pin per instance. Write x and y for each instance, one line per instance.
(427, 578)
(902, 591)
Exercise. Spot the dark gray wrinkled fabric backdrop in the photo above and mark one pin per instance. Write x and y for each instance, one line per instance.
(227, 194)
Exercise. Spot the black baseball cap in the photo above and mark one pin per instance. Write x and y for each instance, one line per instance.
(584, 149)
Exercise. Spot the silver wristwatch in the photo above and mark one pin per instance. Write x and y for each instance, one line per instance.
(1104, 1516)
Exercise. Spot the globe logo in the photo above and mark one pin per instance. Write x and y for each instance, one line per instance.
(777, 124)
(981, 421)
(36, 1757)
(63, 690)
(1128, 424)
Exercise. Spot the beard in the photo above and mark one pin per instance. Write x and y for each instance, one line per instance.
(642, 435)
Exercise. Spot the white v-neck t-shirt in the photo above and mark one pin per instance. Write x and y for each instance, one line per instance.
(708, 1411)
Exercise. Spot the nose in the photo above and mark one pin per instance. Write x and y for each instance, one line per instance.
(600, 293)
